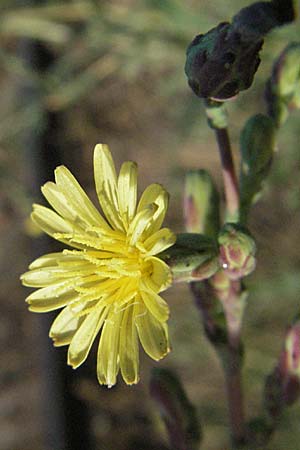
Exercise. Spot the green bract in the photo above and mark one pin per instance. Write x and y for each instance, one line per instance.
(194, 257)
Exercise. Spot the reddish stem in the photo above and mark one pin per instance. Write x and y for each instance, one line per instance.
(229, 176)
(233, 309)
(235, 400)
(232, 305)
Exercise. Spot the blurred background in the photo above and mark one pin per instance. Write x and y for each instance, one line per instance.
(75, 73)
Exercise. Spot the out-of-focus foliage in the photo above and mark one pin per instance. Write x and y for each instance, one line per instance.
(93, 41)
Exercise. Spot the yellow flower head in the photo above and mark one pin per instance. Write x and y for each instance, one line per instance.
(110, 281)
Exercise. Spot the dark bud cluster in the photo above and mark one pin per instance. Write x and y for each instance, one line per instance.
(223, 62)
(219, 64)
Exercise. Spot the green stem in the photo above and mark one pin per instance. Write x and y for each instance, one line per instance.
(229, 175)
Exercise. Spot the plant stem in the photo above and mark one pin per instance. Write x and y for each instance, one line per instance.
(233, 304)
(229, 176)
(230, 293)
(235, 400)
(232, 369)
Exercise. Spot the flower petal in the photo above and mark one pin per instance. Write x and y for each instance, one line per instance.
(106, 185)
(58, 201)
(156, 305)
(52, 297)
(85, 336)
(140, 223)
(161, 277)
(50, 275)
(159, 241)
(54, 225)
(127, 191)
(129, 351)
(49, 259)
(152, 333)
(49, 221)
(156, 194)
(65, 326)
(108, 351)
(76, 198)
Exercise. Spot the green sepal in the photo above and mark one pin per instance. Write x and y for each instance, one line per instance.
(201, 203)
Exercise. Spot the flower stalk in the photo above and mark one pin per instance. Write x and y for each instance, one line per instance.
(227, 290)
(232, 297)
(236, 250)
(178, 414)
(217, 119)
(229, 176)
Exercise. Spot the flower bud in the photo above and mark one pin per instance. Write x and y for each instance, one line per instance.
(257, 147)
(237, 250)
(194, 257)
(220, 64)
(283, 88)
(223, 62)
(201, 203)
(283, 384)
(292, 347)
(178, 413)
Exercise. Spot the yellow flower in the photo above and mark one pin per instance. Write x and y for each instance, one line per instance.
(110, 282)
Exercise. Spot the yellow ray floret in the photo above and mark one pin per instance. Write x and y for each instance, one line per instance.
(109, 284)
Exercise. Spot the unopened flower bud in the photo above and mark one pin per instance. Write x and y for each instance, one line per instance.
(194, 257)
(283, 88)
(219, 64)
(257, 147)
(292, 347)
(223, 62)
(283, 384)
(237, 250)
(177, 412)
(201, 203)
